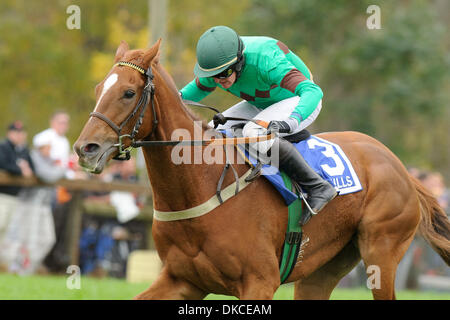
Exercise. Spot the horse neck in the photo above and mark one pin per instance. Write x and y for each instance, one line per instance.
(177, 186)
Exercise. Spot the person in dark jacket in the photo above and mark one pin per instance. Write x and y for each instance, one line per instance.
(15, 156)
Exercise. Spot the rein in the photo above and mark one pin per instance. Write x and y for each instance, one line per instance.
(148, 93)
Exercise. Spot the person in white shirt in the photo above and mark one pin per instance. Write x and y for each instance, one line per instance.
(60, 146)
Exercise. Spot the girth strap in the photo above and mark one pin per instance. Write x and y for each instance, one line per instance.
(206, 207)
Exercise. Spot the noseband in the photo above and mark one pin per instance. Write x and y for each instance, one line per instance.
(147, 93)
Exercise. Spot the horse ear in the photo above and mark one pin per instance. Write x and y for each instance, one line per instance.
(156, 58)
(123, 47)
(152, 54)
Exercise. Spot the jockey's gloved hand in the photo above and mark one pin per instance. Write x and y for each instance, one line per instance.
(278, 126)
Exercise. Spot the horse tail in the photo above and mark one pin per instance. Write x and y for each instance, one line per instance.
(434, 225)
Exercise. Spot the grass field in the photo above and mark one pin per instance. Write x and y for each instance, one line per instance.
(14, 287)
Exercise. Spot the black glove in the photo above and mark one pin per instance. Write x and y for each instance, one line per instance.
(219, 119)
(278, 126)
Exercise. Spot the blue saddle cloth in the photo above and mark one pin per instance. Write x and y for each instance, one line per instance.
(326, 158)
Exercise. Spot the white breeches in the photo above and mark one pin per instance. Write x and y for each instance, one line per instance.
(277, 111)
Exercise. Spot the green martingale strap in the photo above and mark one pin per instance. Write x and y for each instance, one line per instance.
(293, 238)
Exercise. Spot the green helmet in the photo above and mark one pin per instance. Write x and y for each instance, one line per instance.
(217, 49)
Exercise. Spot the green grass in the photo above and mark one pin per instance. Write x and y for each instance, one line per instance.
(286, 292)
(14, 287)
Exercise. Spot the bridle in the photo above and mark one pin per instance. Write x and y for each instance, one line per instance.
(147, 93)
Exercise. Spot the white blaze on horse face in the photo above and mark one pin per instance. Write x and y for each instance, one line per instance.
(112, 79)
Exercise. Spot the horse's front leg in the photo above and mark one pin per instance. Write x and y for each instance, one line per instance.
(167, 287)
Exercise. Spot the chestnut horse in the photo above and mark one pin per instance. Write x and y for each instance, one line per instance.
(235, 248)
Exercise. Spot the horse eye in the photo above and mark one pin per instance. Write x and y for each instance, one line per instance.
(129, 94)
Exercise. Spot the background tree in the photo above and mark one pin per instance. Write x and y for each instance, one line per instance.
(392, 83)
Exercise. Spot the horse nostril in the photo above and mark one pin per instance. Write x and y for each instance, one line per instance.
(90, 149)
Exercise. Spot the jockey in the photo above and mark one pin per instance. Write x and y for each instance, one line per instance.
(276, 86)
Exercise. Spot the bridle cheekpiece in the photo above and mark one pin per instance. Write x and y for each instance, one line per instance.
(147, 93)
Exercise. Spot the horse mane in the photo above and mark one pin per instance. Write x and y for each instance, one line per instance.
(174, 90)
(137, 57)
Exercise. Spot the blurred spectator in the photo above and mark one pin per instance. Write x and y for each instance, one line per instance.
(120, 171)
(60, 146)
(75, 171)
(415, 172)
(15, 156)
(106, 243)
(434, 182)
(14, 159)
(44, 165)
(31, 233)
(57, 156)
(125, 202)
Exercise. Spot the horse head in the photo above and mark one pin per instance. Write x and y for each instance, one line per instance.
(121, 113)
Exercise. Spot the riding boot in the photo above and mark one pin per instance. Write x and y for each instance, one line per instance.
(319, 191)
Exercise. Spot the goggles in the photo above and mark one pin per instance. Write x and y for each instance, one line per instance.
(224, 74)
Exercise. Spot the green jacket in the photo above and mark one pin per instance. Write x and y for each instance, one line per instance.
(271, 73)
